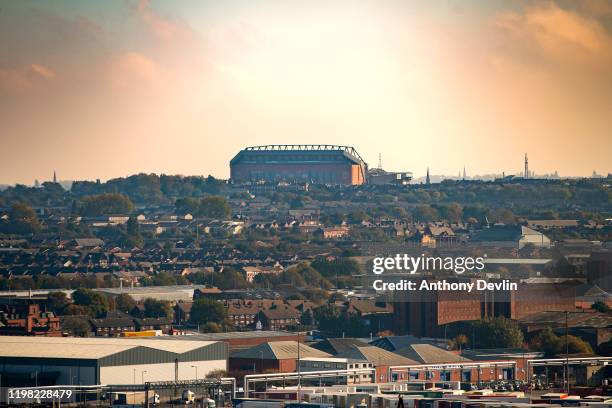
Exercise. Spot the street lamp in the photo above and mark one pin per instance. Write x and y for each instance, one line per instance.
(142, 376)
(566, 371)
(134, 390)
(261, 361)
(299, 369)
(196, 368)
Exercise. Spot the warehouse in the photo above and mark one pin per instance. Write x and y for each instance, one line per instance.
(273, 357)
(322, 164)
(37, 361)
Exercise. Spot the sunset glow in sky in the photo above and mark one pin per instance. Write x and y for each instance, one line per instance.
(101, 89)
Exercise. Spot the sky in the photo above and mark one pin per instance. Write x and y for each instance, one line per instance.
(103, 89)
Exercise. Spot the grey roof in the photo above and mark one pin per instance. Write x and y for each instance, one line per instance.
(279, 350)
(337, 346)
(429, 354)
(517, 261)
(376, 356)
(581, 319)
(589, 290)
(392, 343)
(228, 335)
(86, 348)
(503, 233)
(152, 290)
(500, 354)
(88, 242)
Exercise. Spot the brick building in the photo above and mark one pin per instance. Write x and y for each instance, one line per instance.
(24, 318)
(270, 357)
(328, 164)
(426, 314)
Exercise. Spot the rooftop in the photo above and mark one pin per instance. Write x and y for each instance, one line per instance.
(86, 348)
(279, 350)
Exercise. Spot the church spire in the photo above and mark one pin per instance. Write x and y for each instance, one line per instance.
(54, 177)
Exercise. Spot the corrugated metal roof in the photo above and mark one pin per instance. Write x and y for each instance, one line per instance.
(429, 354)
(229, 335)
(280, 350)
(22, 349)
(92, 348)
(377, 356)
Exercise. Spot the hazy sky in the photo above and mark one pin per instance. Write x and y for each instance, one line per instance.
(100, 89)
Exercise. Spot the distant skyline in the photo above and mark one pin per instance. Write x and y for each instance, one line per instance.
(97, 90)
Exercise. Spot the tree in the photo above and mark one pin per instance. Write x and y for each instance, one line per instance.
(214, 207)
(206, 310)
(425, 213)
(546, 341)
(505, 216)
(22, 220)
(217, 373)
(95, 303)
(357, 217)
(77, 326)
(601, 307)
(132, 238)
(576, 345)
(163, 279)
(497, 332)
(452, 212)
(57, 301)
(335, 321)
(459, 342)
(551, 344)
(105, 204)
(229, 278)
(75, 310)
(124, 303)
(157, 308)
(187, 205)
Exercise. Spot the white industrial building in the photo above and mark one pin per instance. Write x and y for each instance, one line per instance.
(107, 361)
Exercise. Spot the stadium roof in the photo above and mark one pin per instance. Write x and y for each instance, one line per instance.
(348, 149)
(306, 150)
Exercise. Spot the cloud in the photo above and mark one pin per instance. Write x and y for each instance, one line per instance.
(553, 32)
(133, 68)
(25, 77)
(164, 29)
(42, 71)
(600, 8)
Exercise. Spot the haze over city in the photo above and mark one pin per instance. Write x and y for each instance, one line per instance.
(106, 89)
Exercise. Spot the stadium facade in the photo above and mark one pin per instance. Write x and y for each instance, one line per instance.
(321, 164)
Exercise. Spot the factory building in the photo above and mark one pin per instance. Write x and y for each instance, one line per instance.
(321, 164)
(42, 361)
